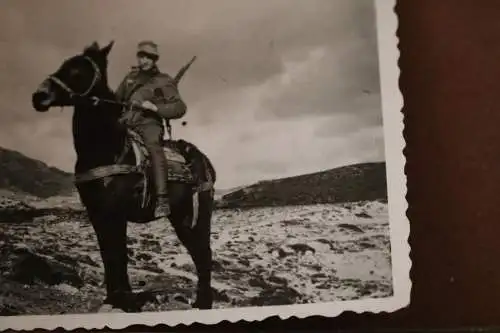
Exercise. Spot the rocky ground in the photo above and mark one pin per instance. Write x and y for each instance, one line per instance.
(50, 264)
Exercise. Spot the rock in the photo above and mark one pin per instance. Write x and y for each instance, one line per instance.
(31, 267)
(367, 245)
(144, 257)
(216, 266)
(86, 259)
(276, 296)
(220, 295)
(350, 227)
(319, 276)
(131, 241)
(293, 222)
(277, 280)
(152, 267)
(75, 260)
(281, 252)
(244, 262)
(64, 258)
(258, 282)
(302, 248)
(16, 212)
(67, 288)
(9, 310)
(178, 297)
(151, 245)
(46, 219)
(324, 286)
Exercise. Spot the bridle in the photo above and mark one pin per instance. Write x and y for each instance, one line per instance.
(106, 170)
(95, 79)
(85, 95)
(97, 76)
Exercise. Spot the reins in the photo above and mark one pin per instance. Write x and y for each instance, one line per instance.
(107, 170)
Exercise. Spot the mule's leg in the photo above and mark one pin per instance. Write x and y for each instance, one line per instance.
(112, 238)
(202, 251)
(197, 242)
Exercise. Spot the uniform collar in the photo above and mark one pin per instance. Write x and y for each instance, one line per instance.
(154, 70)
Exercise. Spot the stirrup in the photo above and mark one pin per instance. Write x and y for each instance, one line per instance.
(163, 210)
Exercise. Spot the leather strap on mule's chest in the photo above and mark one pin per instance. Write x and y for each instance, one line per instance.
(105, 171)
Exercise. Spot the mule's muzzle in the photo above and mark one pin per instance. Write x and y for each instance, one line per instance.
(42, 100)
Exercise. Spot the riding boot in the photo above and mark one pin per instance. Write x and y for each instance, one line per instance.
(159, 163)
(162, 208)
(153, 141)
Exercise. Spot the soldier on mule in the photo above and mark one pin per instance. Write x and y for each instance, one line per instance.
(158, 98)
(110, 184)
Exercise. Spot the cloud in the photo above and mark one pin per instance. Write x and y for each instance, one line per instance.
(280, 87)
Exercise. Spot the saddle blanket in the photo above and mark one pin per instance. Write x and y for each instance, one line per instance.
(178, 168)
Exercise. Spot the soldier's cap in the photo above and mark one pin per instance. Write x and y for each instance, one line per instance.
(149, 48)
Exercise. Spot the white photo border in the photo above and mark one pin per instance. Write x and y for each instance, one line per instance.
(392, 103)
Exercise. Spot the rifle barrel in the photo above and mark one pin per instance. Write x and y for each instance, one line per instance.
(183, 70)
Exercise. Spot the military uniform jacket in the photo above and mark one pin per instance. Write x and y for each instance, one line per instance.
(156, 87)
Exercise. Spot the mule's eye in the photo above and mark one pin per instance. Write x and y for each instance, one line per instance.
(74, 72)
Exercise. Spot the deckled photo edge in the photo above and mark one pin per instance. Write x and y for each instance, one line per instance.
(392, 103)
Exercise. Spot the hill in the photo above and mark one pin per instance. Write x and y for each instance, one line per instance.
(358, 182)
(22, 174)
(220, 193)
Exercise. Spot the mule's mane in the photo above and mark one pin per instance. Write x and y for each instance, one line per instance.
(93, 52)
(97, 134)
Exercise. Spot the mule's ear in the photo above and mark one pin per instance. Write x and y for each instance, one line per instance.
(105, 50)
(92, 47)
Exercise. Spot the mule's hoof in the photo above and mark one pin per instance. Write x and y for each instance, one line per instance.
(202, 305)
(108, 308)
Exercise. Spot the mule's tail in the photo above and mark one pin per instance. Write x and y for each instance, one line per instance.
(195, 154)
(206, 177)
(210, 168)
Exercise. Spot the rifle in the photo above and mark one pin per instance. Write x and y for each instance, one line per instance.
(177, 79)
(183, 71)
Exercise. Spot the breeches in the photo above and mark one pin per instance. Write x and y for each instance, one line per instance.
(152, 135)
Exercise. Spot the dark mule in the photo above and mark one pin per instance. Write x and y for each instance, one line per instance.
(112, 175)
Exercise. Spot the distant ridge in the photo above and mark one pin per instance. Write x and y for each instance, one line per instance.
(357, 182)
(22, 174)
(219, 193)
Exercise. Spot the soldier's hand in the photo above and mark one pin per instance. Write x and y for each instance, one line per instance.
(135, 104)
(149, 106)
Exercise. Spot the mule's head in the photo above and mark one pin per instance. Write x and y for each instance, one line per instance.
(78, 76)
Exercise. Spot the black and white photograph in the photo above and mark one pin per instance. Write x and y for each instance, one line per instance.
(180, 161)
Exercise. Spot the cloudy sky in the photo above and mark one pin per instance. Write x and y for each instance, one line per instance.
(280, 87)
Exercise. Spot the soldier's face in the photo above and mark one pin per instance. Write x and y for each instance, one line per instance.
(145, 62)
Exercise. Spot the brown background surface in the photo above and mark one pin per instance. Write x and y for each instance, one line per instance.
(450, 62)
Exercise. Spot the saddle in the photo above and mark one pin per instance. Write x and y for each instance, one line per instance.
(178, 167)
(182, 167)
